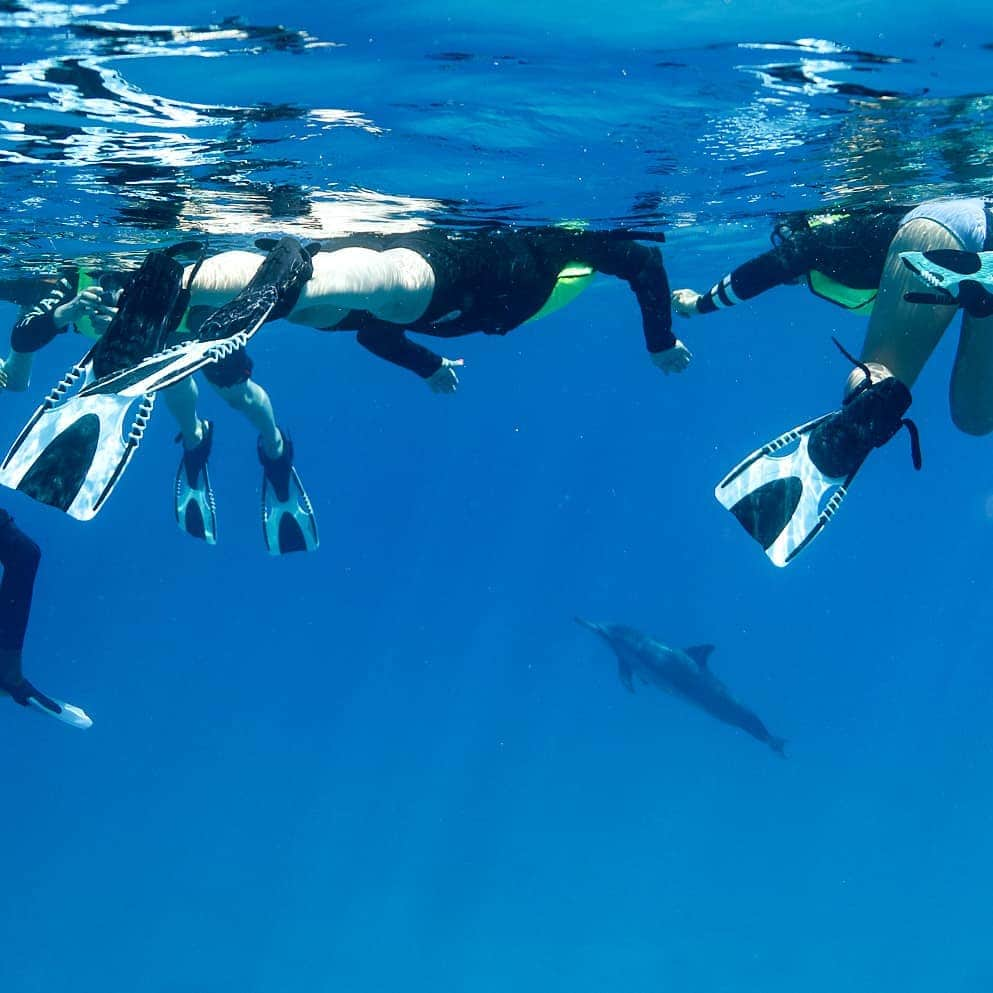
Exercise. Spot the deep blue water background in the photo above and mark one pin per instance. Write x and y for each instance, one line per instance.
(397, 763)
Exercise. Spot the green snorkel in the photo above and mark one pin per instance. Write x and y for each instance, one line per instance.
(85, 325)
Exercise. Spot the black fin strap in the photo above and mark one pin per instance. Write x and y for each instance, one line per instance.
(186, 248)
(196, 268)
(867, 382)
(185, 294)
(915, 441)
(931, 298)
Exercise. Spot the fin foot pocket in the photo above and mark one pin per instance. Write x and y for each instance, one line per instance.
(288, 520)
(196, 509)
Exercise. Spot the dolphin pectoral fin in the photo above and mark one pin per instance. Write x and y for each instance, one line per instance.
(700, 654)
(624, 671)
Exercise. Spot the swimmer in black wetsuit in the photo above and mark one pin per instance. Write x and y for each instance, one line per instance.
(839, 256)
(20, 556)
(448, 283)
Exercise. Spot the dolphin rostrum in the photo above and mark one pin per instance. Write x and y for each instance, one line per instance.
(684, 673)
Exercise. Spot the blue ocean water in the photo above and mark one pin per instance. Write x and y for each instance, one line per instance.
(397, 763)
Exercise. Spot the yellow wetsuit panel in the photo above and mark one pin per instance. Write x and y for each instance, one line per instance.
(569, 283)
(857, 301)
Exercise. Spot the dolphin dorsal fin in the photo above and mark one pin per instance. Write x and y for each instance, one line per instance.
(700, 654)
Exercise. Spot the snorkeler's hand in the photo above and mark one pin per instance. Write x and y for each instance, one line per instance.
(101, 316)
(444, 379)
(92, 303)
(684, 302)
(674, 359)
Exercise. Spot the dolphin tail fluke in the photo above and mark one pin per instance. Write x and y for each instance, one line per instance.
(778, 745)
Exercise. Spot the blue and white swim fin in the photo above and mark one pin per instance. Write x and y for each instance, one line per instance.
(288, 521)
(77, 444)
(196, 511)
(784, 493)
(960, 279)
(28, 695)
(67, 713)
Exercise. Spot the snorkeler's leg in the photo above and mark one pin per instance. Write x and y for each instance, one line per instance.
(231, 377)
(971, 390)
(181, 400)
(902, 335)
(20, 557)
(253, 403)
(288, 520)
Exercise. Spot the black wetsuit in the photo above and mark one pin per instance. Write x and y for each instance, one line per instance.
(492, 280)
(852, 251)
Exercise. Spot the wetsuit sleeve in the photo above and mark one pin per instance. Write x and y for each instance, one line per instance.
(393, 345)
(36, 327)
(642, 269)
(784, 264)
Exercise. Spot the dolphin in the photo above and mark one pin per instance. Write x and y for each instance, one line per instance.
(684, 673)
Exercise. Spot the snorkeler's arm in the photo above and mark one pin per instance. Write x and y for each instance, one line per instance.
(394, 346)
(37, 326)
(774, 268)
(642, 269)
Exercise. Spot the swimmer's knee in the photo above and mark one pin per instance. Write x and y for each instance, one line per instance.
(235, 395)
(240, 396)
(856, 378)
